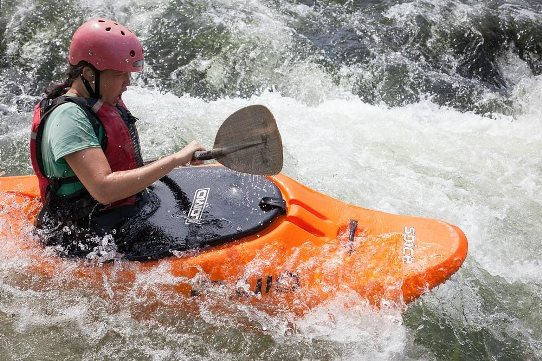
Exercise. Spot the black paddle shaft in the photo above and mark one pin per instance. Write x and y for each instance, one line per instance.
(219, 152)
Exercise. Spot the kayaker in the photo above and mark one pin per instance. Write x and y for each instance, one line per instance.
(85, 147)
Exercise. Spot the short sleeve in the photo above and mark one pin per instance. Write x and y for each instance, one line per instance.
(70, 131)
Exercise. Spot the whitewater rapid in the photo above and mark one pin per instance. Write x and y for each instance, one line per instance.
(423, 108)
(420, 159)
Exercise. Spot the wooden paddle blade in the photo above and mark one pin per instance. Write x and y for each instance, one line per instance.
(254, 126)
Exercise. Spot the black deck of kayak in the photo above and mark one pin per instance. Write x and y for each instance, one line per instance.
(203, 206)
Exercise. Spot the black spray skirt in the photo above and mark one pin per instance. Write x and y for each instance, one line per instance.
(190, 208)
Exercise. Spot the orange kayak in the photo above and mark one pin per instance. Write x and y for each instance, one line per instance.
(319, 247)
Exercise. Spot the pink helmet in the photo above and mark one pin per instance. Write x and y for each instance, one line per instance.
(106, 44)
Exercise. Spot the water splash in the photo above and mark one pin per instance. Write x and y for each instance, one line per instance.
(370, 98)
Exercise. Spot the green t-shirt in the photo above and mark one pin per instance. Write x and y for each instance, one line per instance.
(67, 130)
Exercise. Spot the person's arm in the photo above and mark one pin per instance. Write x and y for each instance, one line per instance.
(92, 168)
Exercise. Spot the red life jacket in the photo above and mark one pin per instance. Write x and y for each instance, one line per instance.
(121, 144)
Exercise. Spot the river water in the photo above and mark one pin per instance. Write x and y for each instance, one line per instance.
(429, 108)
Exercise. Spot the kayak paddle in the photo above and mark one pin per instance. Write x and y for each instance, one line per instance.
(248, 141)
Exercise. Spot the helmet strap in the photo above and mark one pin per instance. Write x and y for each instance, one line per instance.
(94, 93)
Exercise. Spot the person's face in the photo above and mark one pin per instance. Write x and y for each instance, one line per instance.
(112, 84)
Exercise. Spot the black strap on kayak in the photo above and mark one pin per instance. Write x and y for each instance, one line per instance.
(353, 226)
(269, 203)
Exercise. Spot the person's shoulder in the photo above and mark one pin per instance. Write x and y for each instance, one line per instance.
(69, 130)
(68, 110)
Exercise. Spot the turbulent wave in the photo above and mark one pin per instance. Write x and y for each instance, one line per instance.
(430, 108)
(453, 52)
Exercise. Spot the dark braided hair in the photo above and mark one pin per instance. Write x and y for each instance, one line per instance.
(72, 73)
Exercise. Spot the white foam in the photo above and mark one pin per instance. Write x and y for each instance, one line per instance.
(481, 173)
(478, 172)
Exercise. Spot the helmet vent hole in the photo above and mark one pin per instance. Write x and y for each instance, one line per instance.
(101, 21)
(132, 53)
(108, 29)
(122, 32)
